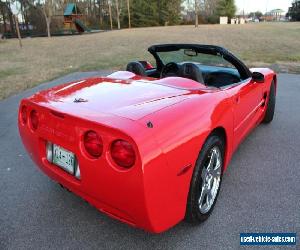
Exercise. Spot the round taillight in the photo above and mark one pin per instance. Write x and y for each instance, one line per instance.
(93, 144)
(123, 154)
(34, 119)
(24, 114)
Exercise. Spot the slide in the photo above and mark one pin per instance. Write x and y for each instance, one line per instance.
(80, 26)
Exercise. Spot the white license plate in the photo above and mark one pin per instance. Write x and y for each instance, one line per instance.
(63, 158)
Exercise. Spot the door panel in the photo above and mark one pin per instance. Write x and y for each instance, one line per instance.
(247, 99)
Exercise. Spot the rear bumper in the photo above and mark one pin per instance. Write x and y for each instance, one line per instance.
(116, 193)
(75, 186)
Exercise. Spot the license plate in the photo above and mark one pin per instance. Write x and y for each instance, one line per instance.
(63, 158)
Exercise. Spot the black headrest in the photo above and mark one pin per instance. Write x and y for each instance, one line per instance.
(136, 68)
(191, 71)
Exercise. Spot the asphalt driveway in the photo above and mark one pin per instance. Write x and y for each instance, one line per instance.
(260, 191)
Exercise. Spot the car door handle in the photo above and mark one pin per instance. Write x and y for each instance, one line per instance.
(237, 99)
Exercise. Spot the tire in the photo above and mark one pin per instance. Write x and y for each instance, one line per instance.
(269, 115)
(197, 211)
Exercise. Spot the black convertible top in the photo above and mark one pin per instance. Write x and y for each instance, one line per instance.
(201, 48)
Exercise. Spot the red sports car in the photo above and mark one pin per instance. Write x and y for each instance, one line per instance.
(149, 145)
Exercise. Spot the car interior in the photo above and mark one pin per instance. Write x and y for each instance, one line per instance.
(205, 66)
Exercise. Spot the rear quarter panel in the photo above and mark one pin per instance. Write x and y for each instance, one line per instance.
(180, 131)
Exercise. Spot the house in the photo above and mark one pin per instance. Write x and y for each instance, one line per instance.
(274, 15)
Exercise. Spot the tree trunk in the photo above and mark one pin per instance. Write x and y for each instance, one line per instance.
(110, 17)
(196, 14)
(100, 15)
(94, 9)
(90, 8)
(128, 9)
(48, 22)
(118, 14)
(18, 30)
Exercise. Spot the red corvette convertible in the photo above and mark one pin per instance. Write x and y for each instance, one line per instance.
(149, 145)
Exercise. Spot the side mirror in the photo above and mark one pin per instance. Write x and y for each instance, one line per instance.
(258, 77)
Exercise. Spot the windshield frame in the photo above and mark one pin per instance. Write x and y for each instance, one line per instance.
(204, 49)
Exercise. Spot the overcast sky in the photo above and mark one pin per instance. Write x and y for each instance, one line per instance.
(262, 5)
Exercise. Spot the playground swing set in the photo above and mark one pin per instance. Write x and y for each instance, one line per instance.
(74, 21)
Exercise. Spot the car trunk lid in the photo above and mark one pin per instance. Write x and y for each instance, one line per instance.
(132, 99)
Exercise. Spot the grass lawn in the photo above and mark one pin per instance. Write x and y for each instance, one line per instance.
(275, 45)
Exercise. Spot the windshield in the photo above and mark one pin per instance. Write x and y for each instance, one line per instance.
(190, 55)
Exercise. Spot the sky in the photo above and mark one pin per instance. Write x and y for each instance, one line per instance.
(262, 5)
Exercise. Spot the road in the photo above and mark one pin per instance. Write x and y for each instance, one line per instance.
(260, 191)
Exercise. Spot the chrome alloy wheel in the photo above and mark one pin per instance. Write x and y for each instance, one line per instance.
(211, 177)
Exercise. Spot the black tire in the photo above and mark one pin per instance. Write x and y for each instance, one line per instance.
(193, 213)
(269, 115)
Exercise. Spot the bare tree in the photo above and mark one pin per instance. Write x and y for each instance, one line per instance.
(128, 9)
(208, 7)
(110, 16)
(205, 9)
(196, 14)
(118, 14)
(18, 30)
(47, 10)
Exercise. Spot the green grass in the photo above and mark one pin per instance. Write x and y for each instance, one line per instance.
(8, 72)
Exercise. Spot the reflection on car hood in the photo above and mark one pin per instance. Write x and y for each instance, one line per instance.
(132, 99)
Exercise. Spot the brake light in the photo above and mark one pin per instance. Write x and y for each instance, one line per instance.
(24, 114)
(122, 153)
(34, 119)
(93, 144)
